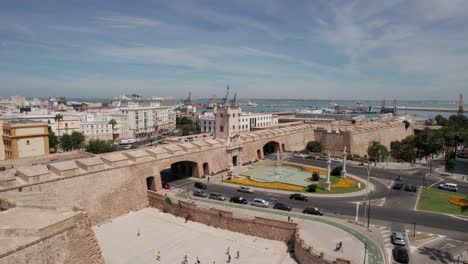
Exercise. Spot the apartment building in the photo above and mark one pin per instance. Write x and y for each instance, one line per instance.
(24, 138)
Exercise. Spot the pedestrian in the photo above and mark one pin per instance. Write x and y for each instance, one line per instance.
(208, 179)
(238, 254)
(289, 218)
(198, 261)
(158, 255)
(228, 250)
(138, 232)
(341, 245)
(229, 258)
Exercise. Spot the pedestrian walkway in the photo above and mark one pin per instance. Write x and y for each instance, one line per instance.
(138, 236)
(389, 165)
(339, 229)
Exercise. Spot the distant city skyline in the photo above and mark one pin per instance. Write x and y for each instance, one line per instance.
(342, 50)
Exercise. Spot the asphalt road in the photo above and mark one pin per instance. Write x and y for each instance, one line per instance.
(396, 212)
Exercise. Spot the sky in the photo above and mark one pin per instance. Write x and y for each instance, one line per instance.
(320, 49)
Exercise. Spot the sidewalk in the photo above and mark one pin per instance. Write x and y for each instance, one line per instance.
(454, 176)
(317, 230)
(389, 165)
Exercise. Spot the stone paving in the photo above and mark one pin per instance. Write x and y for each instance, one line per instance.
(120, 242)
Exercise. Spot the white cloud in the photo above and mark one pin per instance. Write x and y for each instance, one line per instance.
(75, 29)
(122, 21)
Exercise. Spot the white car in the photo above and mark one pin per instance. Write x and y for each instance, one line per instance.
(299, 155)
(449, 187)
(245, 189)
(128, 147)
(260, 203)
(398, 238)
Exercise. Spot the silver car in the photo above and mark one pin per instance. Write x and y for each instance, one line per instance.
(245, 189)
(398, 238)
(217, 196)
(260, 203)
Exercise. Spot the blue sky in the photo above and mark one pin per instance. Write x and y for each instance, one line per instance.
(263, 49)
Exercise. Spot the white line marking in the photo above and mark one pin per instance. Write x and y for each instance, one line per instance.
(441, 180)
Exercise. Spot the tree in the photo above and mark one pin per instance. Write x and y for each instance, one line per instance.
(112, 122)
(77, 140)
(377, 152)
(314, 146)
(58, 118)
(440, 120)
(336, 171)
(311, 188)
(315, 176)
(407, 124)
(450, 165)
(97, 146)
(187, 126)
(66, 142)
(53, 140)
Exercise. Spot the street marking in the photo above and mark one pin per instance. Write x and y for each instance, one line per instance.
(457, 217)
(441, 180)
(448, 245)
(417, 199)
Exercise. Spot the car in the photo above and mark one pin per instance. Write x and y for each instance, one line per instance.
(245, 189)
(260, 202)
(238, 199)
(312, 211)
(400, 254)
(282, 206)
(299, 155)
(398, 238)
(128, 147)
(165, 185)
(324, 158)
(411, 188)
(311, 157)
(216, 196)
(200, 193)
(453, 187)
(397, 186)
(200, 185)
(299, 196)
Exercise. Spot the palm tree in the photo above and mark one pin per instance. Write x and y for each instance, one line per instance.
(377, 152)
(112, 122)
(58, 118)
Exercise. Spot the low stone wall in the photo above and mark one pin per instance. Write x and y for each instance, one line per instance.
(260, 227)
(305, 254)
(74, 243)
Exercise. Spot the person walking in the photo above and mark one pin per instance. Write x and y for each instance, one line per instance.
(229, 258)
(158, 255)
(238, 254)
(198, 261)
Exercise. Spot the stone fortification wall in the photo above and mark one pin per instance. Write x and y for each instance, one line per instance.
(305, 254)
(292, 138)
(73, 244)
(359, 140)
(260, 227)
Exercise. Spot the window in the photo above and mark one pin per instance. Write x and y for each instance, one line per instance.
(221, 128)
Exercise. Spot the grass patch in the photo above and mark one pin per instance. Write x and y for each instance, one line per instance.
(436, 200)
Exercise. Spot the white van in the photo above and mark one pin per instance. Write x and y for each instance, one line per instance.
(449, 187)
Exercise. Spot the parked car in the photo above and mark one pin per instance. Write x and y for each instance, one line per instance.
(397, 186)
(299, 196)
(324, 158)
(400, 254)
(128, 147)
(260, 202)
(238, 199)
(411, 188)
(398, 238)
(245, 189)
(282, 206)
(165, 185)
(299, 155)
(200, 193)
(311, 157)
(312, 211)
(200, 185)
(217, 196)
(453, 187)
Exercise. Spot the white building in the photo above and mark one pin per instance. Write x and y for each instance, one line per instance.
(146, 116)
(207, 122)
(98, 125)
(247, 121)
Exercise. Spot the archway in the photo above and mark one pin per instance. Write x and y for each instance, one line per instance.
(206, 168)
(150, 185)
(271, 147)
(181, 169)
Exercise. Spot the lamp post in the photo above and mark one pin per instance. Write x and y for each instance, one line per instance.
(343, 172)
(328, 183)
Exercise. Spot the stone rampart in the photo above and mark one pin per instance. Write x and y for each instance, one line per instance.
(72, 243)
